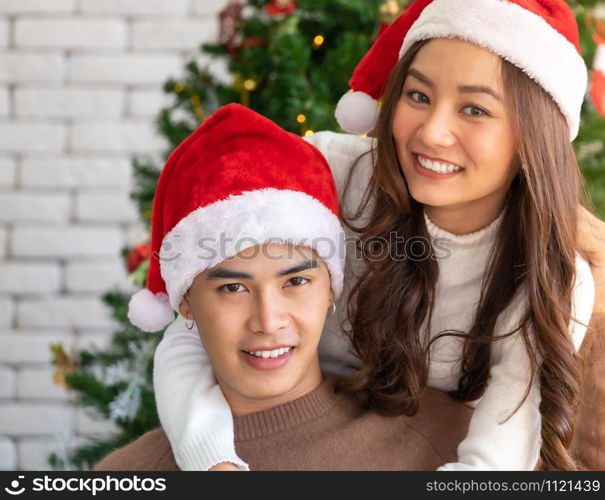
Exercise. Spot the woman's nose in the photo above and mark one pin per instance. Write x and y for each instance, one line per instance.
(269, 315)
(437, 131)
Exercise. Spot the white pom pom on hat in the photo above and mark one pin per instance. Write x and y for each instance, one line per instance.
(150, 312)
(357, 112)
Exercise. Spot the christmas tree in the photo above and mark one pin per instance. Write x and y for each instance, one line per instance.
(290, 61)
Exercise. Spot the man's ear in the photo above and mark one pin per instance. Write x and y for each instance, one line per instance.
(185, 308)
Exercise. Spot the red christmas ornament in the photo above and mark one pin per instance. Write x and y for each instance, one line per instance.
(228, 20)
(137, 255)
(597, 84)
(280, 7)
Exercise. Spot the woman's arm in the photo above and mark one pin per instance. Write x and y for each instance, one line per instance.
(491, 443)
(589, 437)
(591, 244)
(191, 405)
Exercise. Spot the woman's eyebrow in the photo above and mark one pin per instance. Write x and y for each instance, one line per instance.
(465, 89)
(303, 266)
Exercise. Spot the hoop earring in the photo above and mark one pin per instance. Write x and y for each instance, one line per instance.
(189, 327)
(333, 309)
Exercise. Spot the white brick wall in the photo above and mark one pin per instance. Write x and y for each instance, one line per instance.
(139, 7)
(3, 33)
(28, 277)
(65, 241)
(27, 67)
(8, 173)
(145, 103)
(18, 137)
(96, 276)
(20, 206)
(75, 172)
(122, 137)
(80, 85)
(123, 68)
(170, 34)
(74, 102)
(37, 6)
(7, 383)
(67, 33)
(4, 103)
(8, 454)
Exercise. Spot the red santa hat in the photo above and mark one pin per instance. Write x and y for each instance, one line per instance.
(237, 182)
(538, 36)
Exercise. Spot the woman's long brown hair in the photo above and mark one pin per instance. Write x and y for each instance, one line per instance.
(391, 305)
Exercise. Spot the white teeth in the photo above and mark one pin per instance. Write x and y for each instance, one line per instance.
(270, 354)
(435, 166)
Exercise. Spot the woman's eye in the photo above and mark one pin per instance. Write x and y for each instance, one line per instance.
(476, 111)
(233, 287)
(419, 97)
(298, 281)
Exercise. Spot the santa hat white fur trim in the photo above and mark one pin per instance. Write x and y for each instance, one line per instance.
(150, 312)
(211, 234)
(357, 112)
(517, 35)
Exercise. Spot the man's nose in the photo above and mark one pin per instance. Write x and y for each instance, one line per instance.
(269, 314)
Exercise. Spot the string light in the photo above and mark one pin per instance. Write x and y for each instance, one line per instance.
(309, 132)
(250, 85)
(318, 41)
(301, 118)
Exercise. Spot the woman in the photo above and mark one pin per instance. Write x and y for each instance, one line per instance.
(474, 156)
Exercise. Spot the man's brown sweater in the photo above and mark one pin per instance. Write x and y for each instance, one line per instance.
(324, 431)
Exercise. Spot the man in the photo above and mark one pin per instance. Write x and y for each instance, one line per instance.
(250, 249)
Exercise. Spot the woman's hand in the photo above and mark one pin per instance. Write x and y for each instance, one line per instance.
(224, 466)
(591, 244)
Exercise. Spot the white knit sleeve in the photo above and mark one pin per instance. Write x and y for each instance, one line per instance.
(191, 406)
(344, 152)
(491, 443)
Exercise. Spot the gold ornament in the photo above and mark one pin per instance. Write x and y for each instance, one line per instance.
(198, 109)
(390, 9)
(64, 365)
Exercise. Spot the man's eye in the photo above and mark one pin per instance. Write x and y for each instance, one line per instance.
(298, 281)
(233, 287)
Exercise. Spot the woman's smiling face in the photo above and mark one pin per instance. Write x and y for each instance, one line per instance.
(453, 135)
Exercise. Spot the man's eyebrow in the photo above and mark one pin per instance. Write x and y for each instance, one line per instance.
(222, 273)
(303, 266)
(465, 89)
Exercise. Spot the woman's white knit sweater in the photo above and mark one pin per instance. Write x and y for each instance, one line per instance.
(198, 421)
